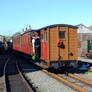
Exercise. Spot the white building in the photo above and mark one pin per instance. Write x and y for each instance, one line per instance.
(83, 29)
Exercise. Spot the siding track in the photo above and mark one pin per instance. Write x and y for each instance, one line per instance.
(73, 81)
(14, 80)
(3, 59)
(77, 83)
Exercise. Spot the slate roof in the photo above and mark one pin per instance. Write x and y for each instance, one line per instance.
(83, 29)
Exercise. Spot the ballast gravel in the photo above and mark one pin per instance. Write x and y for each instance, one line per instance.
(86, 75)
(46, 83)
(1, 84)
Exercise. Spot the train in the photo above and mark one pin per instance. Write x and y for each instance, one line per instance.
(53, 46)
(2, 41)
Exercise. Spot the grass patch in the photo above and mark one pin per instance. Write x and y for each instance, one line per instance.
(42, 90)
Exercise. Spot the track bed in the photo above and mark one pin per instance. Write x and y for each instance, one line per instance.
(14, 82)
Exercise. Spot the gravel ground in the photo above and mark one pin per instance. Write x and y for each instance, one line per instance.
(77, 82)
(86, 75)
(44, 82)
(1, 84)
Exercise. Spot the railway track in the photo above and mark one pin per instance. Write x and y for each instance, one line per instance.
(13, 78)
(77, 83)
(3, 59)
(73, 81)
(41, 80)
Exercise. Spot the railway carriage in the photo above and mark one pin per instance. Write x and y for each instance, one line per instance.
(16, 43)
(58, 45)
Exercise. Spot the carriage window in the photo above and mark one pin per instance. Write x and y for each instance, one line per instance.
(46, 36)
(27, 40)
(41, 36)
(62, 34)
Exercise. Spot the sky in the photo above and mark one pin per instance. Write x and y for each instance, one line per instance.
(18, 14)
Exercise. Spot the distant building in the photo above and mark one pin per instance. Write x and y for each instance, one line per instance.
(83, 29)
(2, 39)
(84, 34)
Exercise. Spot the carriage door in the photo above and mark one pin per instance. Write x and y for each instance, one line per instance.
(45, 45)
(63, 36)
(42, 45)
(28, 42)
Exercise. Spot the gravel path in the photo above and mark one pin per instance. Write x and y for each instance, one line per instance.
(42, 81)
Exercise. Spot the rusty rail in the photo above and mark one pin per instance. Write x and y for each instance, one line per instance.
(4, 73)
(27, 85)
(66, 81)
(80, 79)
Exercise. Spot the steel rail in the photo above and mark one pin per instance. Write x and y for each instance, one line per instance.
(65, 81)
(80, 79)
(23, 79)
(4, 73)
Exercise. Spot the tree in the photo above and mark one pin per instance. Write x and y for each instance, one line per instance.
(7, 38)
(17, 33)
(90, 27)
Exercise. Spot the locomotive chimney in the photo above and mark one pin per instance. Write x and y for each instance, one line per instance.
(29, 26)
(26, 28)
